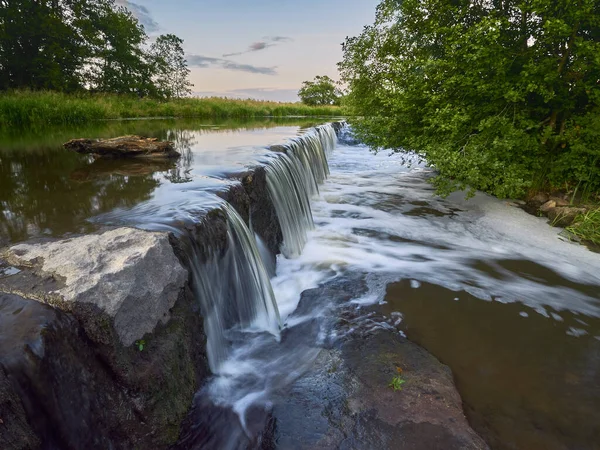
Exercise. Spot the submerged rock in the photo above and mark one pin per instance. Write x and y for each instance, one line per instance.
(124, 147)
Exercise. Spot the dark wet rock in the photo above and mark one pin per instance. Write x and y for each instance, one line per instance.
(345, 402)
(262, 210)
(124, 147)
(564, 216)
(58, 391)
(214, 427)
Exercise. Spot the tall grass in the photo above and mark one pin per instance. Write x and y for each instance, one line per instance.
(587, 226)
(41, 108)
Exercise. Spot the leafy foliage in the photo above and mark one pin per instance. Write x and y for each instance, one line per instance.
(321, 91)
(396, 383)
(93, 45)
(498, 95)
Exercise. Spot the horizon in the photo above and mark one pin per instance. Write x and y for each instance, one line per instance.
(262, 50)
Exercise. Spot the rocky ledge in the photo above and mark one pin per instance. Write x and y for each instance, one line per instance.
(346, 400)
(102, 342)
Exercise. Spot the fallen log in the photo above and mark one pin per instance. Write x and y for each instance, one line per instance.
(124, 147)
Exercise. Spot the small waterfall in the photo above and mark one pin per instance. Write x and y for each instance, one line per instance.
(234, 289)
(293, 177)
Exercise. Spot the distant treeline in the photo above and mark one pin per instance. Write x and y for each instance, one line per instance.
(86, 45)
(44, 108)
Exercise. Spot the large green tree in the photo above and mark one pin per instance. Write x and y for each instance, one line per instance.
(500, 95)
(94, 45)
(321, 91)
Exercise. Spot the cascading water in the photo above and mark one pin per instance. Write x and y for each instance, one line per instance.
(293, 177)
(234, 290)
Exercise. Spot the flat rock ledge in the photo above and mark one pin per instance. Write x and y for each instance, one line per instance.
(124, 147)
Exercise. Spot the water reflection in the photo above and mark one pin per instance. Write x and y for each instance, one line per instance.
(528, 381)
(46, 190)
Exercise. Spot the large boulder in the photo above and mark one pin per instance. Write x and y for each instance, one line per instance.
(124, 147)
(114, 347)
(129, 276)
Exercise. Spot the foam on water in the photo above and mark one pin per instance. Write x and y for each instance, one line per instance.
(377, 213)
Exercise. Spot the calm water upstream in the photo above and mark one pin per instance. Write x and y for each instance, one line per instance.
(489, 290)
(46, 190)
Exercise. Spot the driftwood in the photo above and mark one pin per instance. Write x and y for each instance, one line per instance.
(124, 147)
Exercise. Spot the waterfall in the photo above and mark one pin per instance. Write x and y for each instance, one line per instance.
(293, 177)
(233, 288)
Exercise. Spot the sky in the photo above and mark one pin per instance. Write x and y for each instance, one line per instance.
(260, 49)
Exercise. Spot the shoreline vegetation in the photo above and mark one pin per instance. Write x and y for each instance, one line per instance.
(500, 97)
(37, 109)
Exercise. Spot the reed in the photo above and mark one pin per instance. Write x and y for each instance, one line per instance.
(31, 109)
(587, 226)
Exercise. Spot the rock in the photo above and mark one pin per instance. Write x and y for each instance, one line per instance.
(132, 276)
(345, 402)
(560, 201)
(540, 198)
(102, 293)
(53, 390)
(563, 216)
(548, 205)
(124, 147)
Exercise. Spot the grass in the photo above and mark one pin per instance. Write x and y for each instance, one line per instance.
(37, 109)
(587, 226)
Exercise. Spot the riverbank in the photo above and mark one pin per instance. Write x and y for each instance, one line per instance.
(26, 109)
(581, 220)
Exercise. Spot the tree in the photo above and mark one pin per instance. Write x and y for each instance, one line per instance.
(39, 47)
(321, 91)
(95, 45)
(171, 79)
(500, 95)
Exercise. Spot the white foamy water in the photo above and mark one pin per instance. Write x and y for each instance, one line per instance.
(378, 214)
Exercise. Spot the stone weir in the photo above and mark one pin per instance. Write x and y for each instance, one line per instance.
(103, 337)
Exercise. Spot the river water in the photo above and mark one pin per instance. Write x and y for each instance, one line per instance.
(492, 292)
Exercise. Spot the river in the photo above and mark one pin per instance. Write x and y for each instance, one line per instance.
(512, 308)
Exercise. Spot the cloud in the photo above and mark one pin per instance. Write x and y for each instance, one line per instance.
(278, 39)
(268, 41)
(207, 61)
(142, 14)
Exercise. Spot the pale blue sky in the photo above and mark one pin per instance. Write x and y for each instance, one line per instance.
(260, 49)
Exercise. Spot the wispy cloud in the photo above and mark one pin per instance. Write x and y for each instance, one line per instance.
(142, 14)
(207, 61)
(268, 41)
